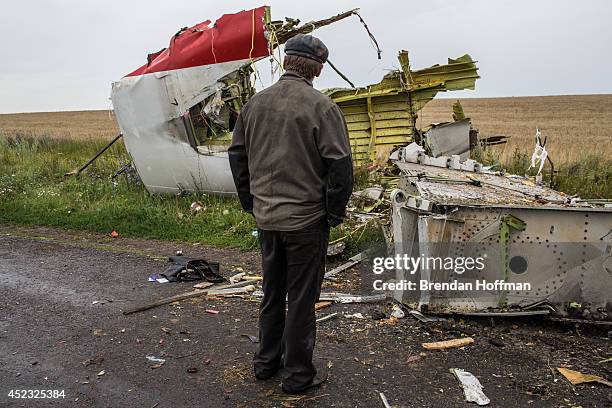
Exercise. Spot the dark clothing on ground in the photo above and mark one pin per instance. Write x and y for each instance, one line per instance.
(293, 268)
(291, 161)
(290, 156)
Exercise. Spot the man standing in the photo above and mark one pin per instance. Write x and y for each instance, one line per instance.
(291, 161)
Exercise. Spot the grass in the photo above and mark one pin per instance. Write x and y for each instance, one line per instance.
(34, 191)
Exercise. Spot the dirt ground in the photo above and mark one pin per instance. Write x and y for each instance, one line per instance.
(62, 328)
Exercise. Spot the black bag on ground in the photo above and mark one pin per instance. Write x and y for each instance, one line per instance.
(183, 269)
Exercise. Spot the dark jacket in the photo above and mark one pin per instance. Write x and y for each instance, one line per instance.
(290, 156)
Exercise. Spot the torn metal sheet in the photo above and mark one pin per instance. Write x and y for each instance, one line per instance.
(177, 111)
(447, 139)
(153, 103)
(354, 260)
(560, 246)
(471, 387)
(382, 116)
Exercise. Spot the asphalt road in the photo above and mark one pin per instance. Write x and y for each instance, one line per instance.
(62, 328)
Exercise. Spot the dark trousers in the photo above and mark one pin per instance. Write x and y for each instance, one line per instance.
(293, 269)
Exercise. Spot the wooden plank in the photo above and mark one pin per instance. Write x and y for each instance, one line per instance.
(453, 343)
(182, 296)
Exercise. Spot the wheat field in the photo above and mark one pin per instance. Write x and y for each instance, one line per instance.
(81, 125)
(578, 126)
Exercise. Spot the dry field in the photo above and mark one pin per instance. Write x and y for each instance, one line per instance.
(576, 126)
(81, 125)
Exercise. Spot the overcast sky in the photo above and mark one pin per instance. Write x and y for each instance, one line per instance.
(64, 54)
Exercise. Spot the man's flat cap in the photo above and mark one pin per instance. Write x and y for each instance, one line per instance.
(305, 45)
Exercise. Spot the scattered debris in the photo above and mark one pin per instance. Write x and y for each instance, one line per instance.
(471, 387)
(446, 344)
(252, 278)
(384, 400)
(354, 260)
(237, 277)
(252, 338)
(341, 297)
(336, 248)
(192, 370)
(212, 311)
(328, 317)
(203, 285)
(156, 277)
(156, 360)
(196, 207)
(347, 298)
(176, 298)
(373, 193)
(114, 234)
(101, 373)
(92, 361)
(397, 312)
(322, 305)
(98, 154)
(183, 269)
(425, 318)
(232, 291)
(355, 316)
(576, 377)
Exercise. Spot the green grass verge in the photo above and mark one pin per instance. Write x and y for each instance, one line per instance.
(34, 191)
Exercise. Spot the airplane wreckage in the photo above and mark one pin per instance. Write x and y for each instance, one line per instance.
(176, 115)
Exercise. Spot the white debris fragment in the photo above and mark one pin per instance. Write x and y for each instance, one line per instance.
(397, 312)
(157, 360)
(384, 400)
(471, 387)
(324, 318)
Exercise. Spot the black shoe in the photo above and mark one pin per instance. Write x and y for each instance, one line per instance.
(319, 378)
(265, 374)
